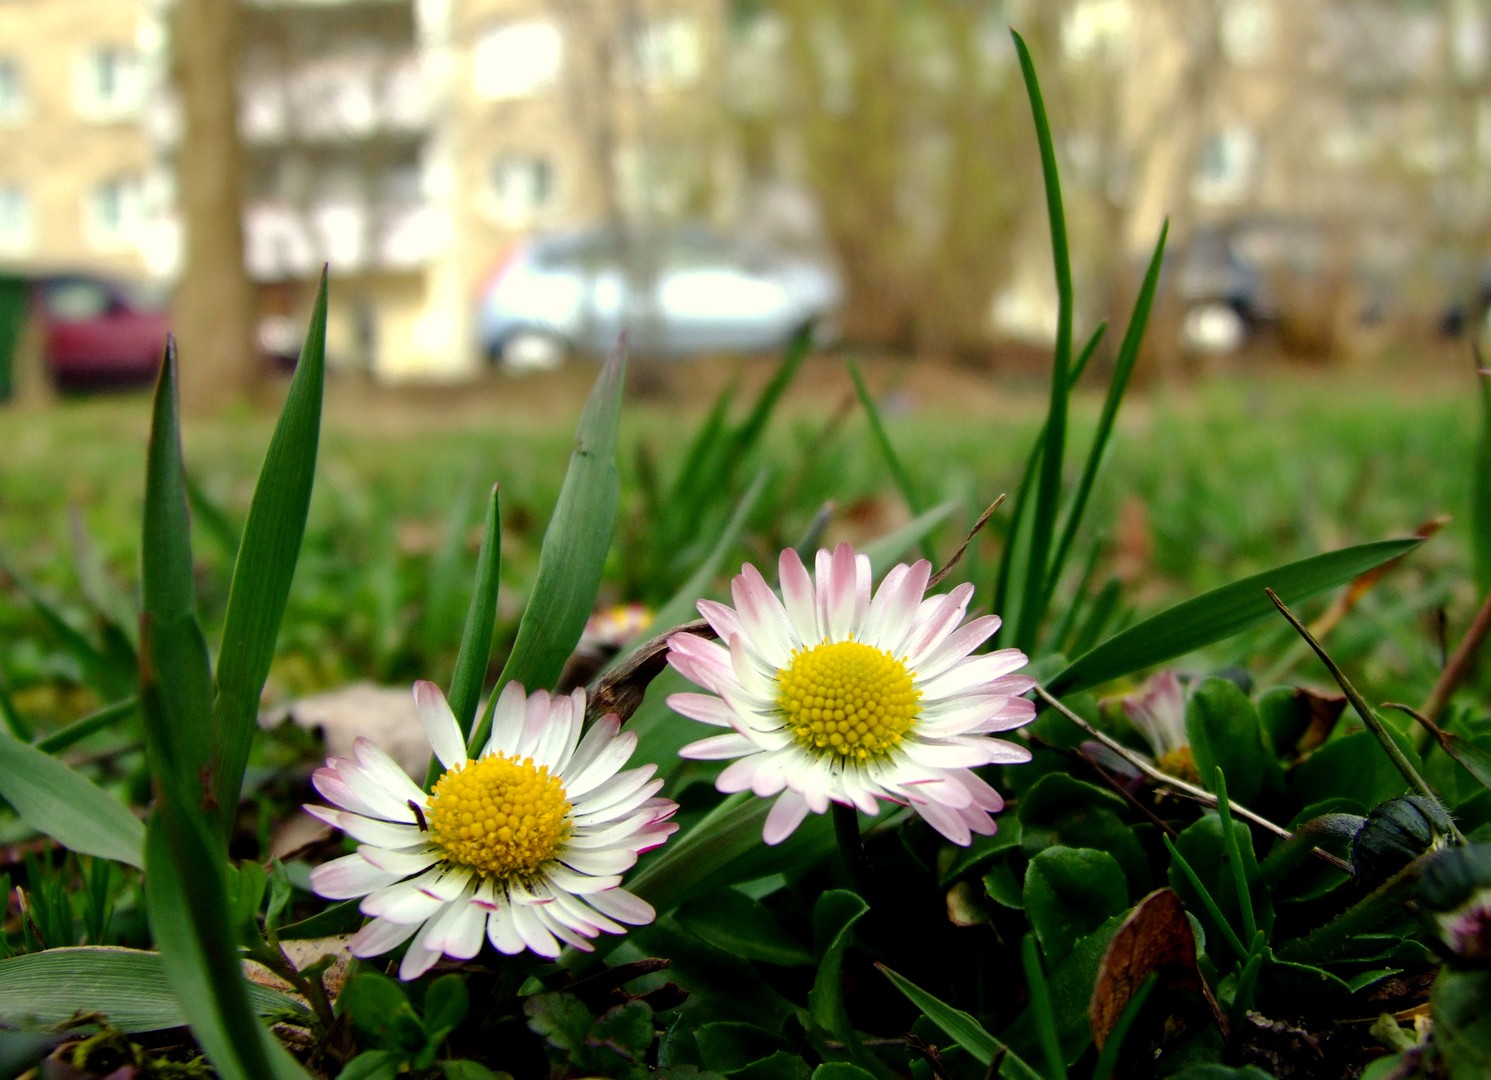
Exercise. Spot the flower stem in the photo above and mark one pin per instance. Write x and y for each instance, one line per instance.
(852, 848)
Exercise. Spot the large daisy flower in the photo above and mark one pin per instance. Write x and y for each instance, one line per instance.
(523, 845)
(831, 694)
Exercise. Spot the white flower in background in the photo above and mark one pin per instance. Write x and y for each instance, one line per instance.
(832, 694)
(1159, 714)
(523, 846)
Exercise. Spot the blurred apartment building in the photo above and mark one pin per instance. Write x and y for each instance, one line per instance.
(408, 143)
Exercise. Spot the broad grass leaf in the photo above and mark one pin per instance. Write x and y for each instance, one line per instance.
(733, 921)
(186, 898)
(128, 986)
(267, 555)
(1220, 613)
(574, 547)
(65, 805)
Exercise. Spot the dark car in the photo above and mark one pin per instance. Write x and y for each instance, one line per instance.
(97, 331)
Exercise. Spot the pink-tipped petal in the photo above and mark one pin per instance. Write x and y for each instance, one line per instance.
(786, 814)
(439, 724)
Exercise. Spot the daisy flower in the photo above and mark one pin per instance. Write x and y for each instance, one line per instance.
(523, 845)
(833, 695)
(1159, 714)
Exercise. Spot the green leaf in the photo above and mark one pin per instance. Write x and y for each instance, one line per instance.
(475, 654)
(1480, 506)
(732, 921)
(1060, 810)
(266, 563)
(186, 899)
(67, 806)
(445, 1006)
(834, 916)
(1224, 730)
(891, 548)
(680, 607)
(128, 986)
(725, 848)
(469, 1070)
(372, 1065)
(1035, 597)
(1221, 613)
(1352, 767)
(1462, 1023)
(175, 676)
(381, 1013)
(574, 548)
(728, 1045)
(1123, 368)
(962, 1029)
(888, 451)
(1069, 893)
(841, 1070)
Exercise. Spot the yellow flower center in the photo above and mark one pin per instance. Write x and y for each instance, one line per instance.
(847, 699)
(503, 817)
(1181, 764)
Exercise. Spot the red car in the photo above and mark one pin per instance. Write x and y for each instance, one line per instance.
(99, 331)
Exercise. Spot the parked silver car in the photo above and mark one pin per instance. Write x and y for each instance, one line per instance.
(676, 292)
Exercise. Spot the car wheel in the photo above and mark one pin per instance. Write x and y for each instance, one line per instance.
(532, 350)
(1213, 328)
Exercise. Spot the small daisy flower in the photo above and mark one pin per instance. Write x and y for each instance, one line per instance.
(1159, 714)
(524, 845)
(834, 695)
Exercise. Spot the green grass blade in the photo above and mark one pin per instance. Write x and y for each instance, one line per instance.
(963, 1029)
(1219, 614)
(481, 618)
(186, 898)
(1480, 507)
(704, 451)
(266, 563)
(10, 716)
(1034, 597)
(680, 607)
(96, 721)
(1040, 1004)
(891, 548)
(574, 548)
(67, 806)
(745, 437)
(892, 460)
(126, 985)
(1234, 857)
(175, 673)
(99, 669)
(1123, 369)
(445, 580)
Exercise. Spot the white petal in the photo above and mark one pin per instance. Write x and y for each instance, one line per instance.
(349, 876)
(403, 863)
(718, 748)
(622, 906)
(366, 830)
(840, 596)
(596, 863)
(955, 647)
(418, 959)
(507, 720)
(705, 663)
(502, 933)
(935, 619)
(531, 929)
(972, 674)
(888, 620)
(333, 787)
(579, 884)
(785, 816)
(378, 936)
(383, 770)
(402, 903)
(572, 736)
(706, 708)
(723, 620)
(439, 723)
(605, 761)
(457, 931)
(623, 789)
(948, 822)
(763, 619)
(799, 598)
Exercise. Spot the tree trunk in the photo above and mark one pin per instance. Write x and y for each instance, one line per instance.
(214, 306)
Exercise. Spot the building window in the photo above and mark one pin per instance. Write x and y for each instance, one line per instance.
(523, 187)
(109, 82)
(15, 219)
(113, 213)
(668, 51)
(517, 59)
(12, 89)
